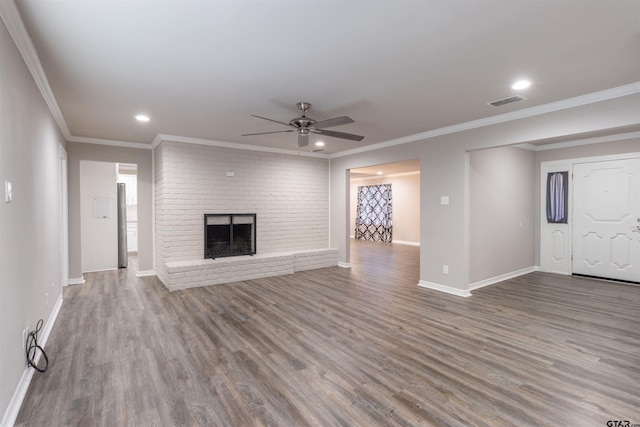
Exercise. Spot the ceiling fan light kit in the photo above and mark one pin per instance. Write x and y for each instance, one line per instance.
(304, 125)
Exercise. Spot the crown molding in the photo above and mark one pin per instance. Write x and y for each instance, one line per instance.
(527, 146)
(391, 175)
(590, 98)
(199, 141)
(112, 142)
(12, 20)
(11, 17)
(586, 141)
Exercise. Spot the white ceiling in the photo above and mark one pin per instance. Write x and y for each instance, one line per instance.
(200, 68)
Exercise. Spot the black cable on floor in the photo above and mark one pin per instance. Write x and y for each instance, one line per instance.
(32, 348)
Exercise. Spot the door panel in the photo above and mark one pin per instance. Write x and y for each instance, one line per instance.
(606, 226)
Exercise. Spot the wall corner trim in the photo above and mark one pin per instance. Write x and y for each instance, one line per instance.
(443, 288)
(502, 277)
(11, 414)
(145, 273)
(344, 265)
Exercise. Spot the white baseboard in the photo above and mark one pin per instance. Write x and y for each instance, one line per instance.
(76, 281)
(344, 264)
(101, 270)
(146, 273)
(406, 242)
(442, 288)
(501, 278)
(400, 242)
(10, 415)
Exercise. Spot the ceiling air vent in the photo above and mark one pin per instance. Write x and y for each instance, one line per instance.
(508, 100)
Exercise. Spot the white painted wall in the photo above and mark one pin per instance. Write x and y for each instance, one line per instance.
(30, 238)
(406, 205)
(99, 232)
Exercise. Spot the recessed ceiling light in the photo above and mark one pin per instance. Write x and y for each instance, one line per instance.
(319, 144)
(521, 84)
(142, 118)
(379, 172)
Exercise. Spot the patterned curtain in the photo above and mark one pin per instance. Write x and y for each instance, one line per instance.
(374, 214)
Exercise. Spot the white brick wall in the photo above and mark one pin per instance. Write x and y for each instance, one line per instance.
(289, 194)
(206, 272)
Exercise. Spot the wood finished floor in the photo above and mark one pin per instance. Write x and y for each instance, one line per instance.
(355, 347)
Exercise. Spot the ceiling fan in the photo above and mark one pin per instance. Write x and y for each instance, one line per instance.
(304, 125)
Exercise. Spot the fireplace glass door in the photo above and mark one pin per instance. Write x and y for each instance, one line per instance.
(229, 235)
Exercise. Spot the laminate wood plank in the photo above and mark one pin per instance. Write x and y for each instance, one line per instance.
(341, 347)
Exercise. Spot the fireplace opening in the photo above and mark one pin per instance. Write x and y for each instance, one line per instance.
(229, 235)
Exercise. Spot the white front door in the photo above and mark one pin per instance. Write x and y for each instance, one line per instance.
(606, 226)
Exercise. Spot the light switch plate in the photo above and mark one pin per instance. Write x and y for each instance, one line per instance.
(8, 192)
(444, 200)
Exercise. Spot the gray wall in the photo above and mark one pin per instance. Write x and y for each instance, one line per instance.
(501, 211)
(30, 235)
(104, 153)
(445, 171)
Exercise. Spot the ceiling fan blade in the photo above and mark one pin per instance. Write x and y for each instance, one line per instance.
(271, 120)
(303, 140)
(342, 135)
(337, 121)
(264, 133)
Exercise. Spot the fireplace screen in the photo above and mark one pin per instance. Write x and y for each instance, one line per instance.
(229, 235)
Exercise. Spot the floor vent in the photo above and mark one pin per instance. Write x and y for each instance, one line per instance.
(508, 100)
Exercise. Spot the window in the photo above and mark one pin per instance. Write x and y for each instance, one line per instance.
(557, 197)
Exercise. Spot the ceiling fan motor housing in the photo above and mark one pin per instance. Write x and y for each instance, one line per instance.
(304, 125)
(302, 122)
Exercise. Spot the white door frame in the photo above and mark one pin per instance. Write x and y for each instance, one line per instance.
(549, 232)
(64, 218)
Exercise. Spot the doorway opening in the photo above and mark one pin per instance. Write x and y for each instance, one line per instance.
(384, 219)
(128, 175)
(99, 213)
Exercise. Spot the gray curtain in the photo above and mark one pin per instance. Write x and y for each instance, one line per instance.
(374, 213)
(557, 197)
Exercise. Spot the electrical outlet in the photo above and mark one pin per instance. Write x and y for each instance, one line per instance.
(445, 269)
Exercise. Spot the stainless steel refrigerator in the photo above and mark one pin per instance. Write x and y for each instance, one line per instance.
(122, 226)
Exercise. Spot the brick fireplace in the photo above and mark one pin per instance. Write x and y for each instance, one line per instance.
(288, 193)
